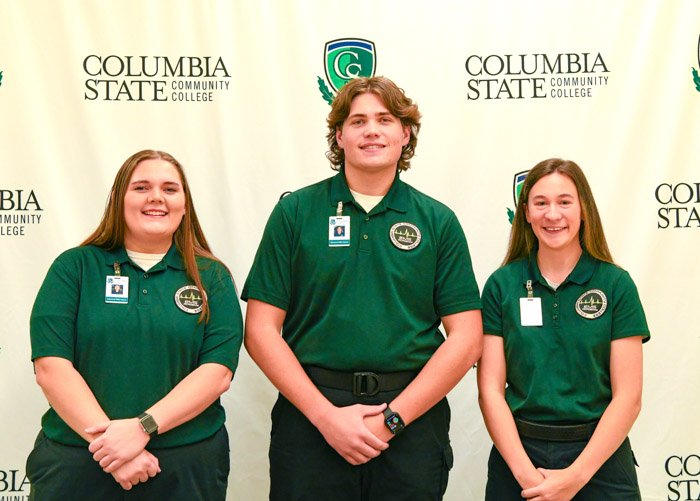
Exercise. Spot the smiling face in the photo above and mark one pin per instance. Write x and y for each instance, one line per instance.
(154, 204)
(371, 137)
(553, 210)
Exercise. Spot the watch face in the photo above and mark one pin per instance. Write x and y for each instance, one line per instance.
(394, 423)
(149, 424)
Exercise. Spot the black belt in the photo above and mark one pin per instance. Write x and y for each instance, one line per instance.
(361, 384)
(555, 433)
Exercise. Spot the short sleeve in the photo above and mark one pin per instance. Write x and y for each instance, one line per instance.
(455, 286)
(53, 317)
(269, 279)
(223, 333)
(492, 311)
(628, 314)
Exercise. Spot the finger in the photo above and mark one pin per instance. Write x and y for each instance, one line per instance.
(375, 443)
(126, 485)
(143, 476)
(98, 428)
(111, 465)
(372, 410)
(99, 455)
(95, 445)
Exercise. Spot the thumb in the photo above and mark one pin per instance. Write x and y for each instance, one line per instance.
(98, 428)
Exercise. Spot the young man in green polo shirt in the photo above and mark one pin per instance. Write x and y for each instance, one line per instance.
(361, 365)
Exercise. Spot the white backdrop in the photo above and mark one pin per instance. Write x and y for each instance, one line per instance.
(633, 128)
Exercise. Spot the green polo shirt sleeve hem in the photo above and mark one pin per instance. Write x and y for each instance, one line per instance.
(266, 297)
(629, 319)
(455, 287)
(491, 313)
(52, 321)
(459, 308)
(223, 333)
(269, 279)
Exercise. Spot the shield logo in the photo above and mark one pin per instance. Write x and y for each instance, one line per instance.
(348, 58)
(518, 180)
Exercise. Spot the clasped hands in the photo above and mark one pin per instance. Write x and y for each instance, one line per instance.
(356, 432)
(120, 451)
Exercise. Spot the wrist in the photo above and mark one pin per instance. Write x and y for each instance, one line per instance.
(148, 424)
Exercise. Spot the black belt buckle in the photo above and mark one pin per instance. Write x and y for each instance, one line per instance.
(361, 384)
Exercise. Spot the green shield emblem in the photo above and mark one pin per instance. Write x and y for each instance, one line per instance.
(518, 180)
(348, 58)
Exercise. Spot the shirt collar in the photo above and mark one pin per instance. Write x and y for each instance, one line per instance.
(582, 272)
(396, 199)
(172, 258)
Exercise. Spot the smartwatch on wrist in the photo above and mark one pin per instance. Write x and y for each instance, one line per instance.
(393, 421)
(148, 424)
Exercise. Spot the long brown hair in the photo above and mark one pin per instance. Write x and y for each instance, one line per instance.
(394, 99)
(591, 235)
(189, 237)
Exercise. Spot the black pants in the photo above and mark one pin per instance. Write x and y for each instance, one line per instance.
(197, 471)
(303, 466)
(616, 480)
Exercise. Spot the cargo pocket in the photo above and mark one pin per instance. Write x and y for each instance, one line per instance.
(447, 463)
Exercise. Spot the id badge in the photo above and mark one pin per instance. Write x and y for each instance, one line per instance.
(531, 311)
(339, 231)
(117, 289)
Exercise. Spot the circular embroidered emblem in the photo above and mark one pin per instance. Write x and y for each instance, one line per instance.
(405, 236)
(188, 299)
(592, 304)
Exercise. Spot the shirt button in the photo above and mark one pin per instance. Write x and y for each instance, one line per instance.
(365, 236)
(367, 218)
(144, 291)
(555, 305)
(145, 275)
(555, 317)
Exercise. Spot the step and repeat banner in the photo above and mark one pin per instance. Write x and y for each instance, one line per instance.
(238, 91)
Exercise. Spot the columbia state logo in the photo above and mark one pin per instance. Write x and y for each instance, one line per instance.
(189, 300)
(405, 236)
(343, 60)
(592, 304)
(518, 180)
(696, 76)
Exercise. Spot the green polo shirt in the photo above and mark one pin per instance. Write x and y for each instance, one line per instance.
(370, 305)
(132, 354)
(560, 372)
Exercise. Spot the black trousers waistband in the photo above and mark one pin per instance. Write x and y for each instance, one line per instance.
(555, 433)
(361, 384)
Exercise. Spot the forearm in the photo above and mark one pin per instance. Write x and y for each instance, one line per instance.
(277, 361)
(191, 396)
(69, 395)
(501, 427)
(613, 428)
(446, 367)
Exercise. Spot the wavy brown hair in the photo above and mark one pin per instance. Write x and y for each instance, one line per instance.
(394, 99)
(189, 237)
(591, 235)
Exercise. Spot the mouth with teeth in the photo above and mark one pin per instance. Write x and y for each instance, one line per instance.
(155, 213)
(372, 147)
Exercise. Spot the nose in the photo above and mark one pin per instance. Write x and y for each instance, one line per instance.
(371, 128)
(155, 195)
(553, 212)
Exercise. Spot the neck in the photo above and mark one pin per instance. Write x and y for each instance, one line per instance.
(375, 183)
(150, 247)
(556, 265)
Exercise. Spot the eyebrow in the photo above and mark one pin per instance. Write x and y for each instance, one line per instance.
(363, 115)
(146, 181)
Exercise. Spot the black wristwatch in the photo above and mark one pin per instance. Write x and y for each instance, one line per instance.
(393, 421)
(148, 424)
